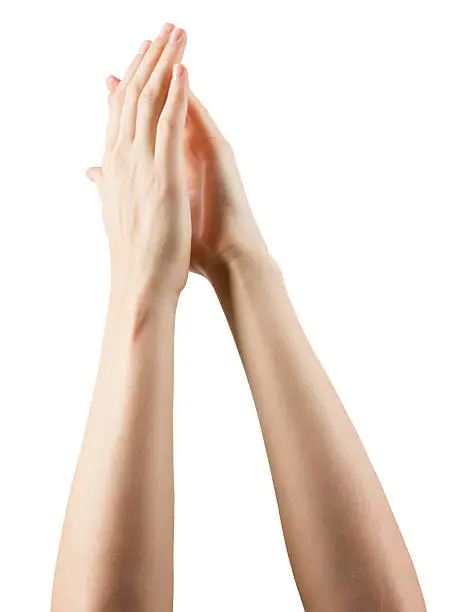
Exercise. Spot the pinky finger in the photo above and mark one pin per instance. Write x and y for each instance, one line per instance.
(117, 95)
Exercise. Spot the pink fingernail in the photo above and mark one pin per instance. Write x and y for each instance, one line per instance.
(178, 70)
(167, 28)
(144, 46)
(176, 35)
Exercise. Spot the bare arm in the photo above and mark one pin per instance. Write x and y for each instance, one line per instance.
(344, 545)
(345, 548)
(117, 543)
(116, 550)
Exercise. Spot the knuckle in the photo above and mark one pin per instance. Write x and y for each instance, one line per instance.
(156, 83)
(149, 95)
(222, 144)
(224, 147)
(142, 148)
(119, 153)
(219, 146)
(167, 122)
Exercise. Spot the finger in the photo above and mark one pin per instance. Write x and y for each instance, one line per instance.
(154, 94)
(112, 82)
(196, 111)
(132, 69)
(136, 84)
(117, 95)
(170, 130)
(201, 119)
(94, 174)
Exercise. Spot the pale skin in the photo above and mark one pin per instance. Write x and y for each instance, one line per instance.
(172, 201)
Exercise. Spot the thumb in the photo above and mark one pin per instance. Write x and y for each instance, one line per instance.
(112, 82)
(94, 174)
(201, 118)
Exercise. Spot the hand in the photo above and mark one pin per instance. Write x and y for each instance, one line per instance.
(223, 226)
(143, 182)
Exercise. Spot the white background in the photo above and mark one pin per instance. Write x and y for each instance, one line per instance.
(338, 113)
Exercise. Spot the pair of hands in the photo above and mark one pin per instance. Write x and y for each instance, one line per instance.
(171, 192)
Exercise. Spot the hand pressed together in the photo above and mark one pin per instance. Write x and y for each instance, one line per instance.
(143, 181)
(173, 201)
(222, 224)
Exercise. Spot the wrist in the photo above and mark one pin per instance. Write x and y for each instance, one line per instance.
(135, 283)
(153, 274)
(130, 307)
(249, 264)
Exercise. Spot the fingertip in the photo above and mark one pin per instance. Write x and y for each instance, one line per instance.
(167, 28)
(179, 72)
(144, 47)
(112, 82)
(180, 83)
(93, 174)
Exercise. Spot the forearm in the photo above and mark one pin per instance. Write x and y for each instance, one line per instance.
(344, 545)
(117, 545)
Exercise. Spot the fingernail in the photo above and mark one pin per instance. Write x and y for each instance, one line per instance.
(178, 69)
(144, 46)
(176, 35)
(167, 28)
